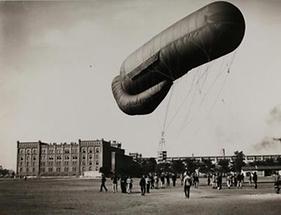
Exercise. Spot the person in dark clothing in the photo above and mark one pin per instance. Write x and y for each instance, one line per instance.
(114, 183)
(123, 184)
(102, 186)
(209, 180)
(187, 184)
(255, 179)
(162, 178)
(142, 185)
(174, 178)
(168, 179)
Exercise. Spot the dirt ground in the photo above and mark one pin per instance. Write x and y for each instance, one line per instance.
(82, 196)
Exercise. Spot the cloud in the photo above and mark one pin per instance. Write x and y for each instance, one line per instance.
(268, 145)
(275, 115)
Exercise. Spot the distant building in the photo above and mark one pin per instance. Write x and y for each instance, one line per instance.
(261, 170)
(216, 159)
(162, 156)
(87, 157)
(136, 156)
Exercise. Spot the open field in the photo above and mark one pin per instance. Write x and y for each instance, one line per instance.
(82, 196)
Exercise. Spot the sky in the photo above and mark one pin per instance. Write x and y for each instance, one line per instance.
(58, 59)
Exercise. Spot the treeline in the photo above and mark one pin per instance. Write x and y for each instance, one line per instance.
(6, 173)
(146, 166)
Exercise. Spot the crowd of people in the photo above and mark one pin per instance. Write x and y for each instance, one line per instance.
(163, 180)
(147, 182)
(232, 180)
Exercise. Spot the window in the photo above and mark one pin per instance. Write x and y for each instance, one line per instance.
(74, 169)
(97, 149)
(66, 157)
(66, 151)
(74, 157)
(33, 169)
(50, 169)
(51, 158)
(90, 149)
(27, 163)
(66, 169)
(34, 158)
(66, 163)
(58, 163)
(20, 169)
(90, 157)
(83, 157)
(84, 149)
(97, 163)
(90, 163)
(90, 168)
(58, 157)
(58, 169)
(21, 158)
(43, 163)
(27, 170)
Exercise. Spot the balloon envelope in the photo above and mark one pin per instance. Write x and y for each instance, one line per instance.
(147, 74)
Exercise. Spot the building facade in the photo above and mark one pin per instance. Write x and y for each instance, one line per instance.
(86, 157)
(216, 159)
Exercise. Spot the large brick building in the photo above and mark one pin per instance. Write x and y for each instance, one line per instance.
(86, 157)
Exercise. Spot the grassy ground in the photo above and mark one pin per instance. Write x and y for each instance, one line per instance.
(78, 196)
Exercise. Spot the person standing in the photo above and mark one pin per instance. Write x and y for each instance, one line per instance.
(147, 181)
(129, 184)
(168, 179)
(102, 186)
(174, 178)
(187, 184)
(228, 181)
(208, 180)
(123, 183)
(142, 185)
(255, 179)
(114, 183)
(250, 178)
(162, 178)
(277, 183)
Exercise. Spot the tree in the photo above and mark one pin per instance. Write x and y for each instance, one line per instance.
(149, 165)
(224, 165)
(238, 161)
(177, 166)
(191, 165)
(206, 166)
(163, 167)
